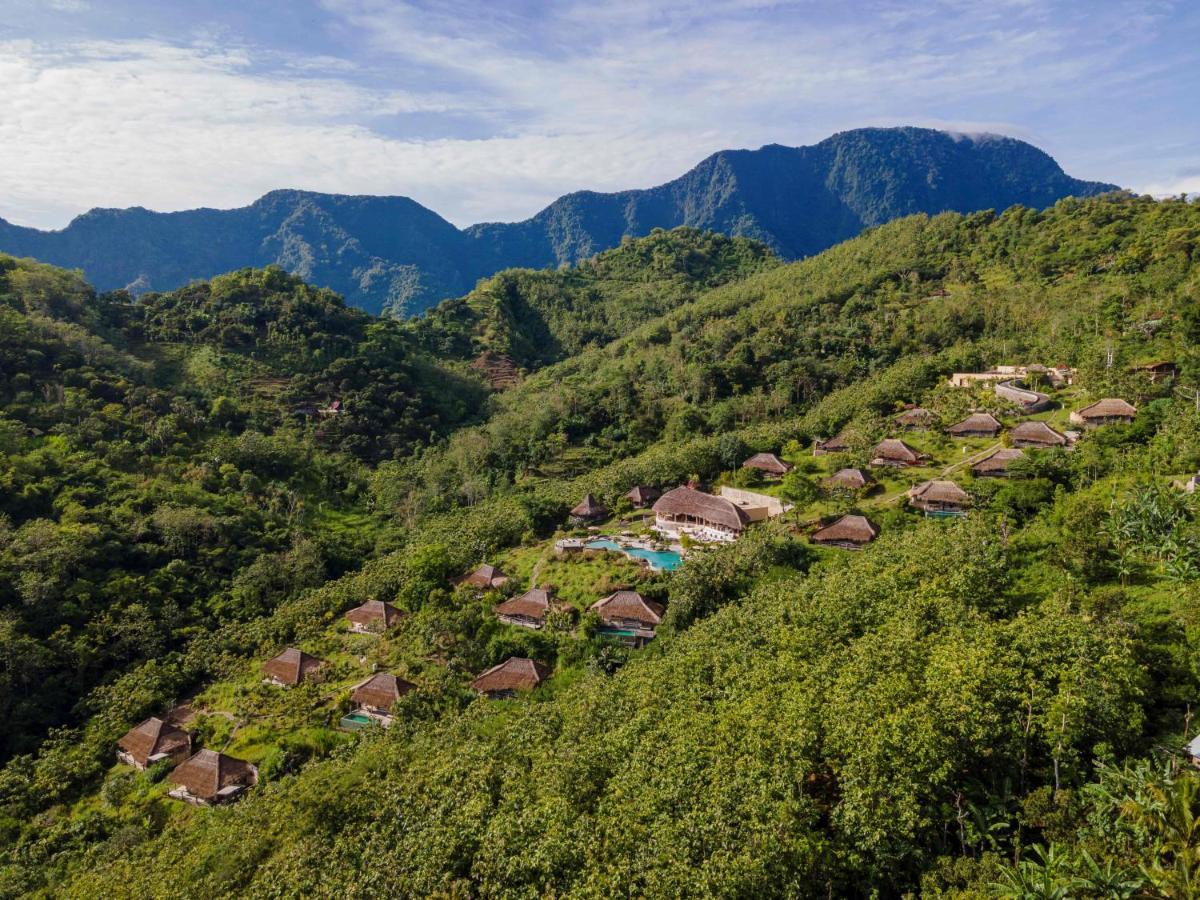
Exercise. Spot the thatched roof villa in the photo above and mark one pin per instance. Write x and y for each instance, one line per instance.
(850, 532)
(152, 741)
(514, 674)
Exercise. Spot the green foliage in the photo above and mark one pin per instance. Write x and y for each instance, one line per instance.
(958, 709)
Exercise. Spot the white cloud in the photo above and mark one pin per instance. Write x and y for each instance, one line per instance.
(601, 96)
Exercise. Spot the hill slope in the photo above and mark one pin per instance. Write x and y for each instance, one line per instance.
(392, 254)
(912, 717)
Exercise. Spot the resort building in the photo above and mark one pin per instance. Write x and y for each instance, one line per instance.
(1056, 375)
(939, 498)
(894, 452)
(588, 510)
(514, 674)
(564, 546)
(374, 617)
(642, 496)
(374, 699)
(915, 419)
(487, 577)
(840, 443)
(628, 617)
(527, 611)
(849, 532)
(1036, 435)
(847, 480)
(700, 516)
(291, 667)
(769, 464)
(210, 777)
(1109, 411)
(996, 465)
(756, 506)
(153, 741)
(976, 425)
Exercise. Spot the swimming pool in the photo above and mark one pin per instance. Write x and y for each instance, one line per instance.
(666, 560)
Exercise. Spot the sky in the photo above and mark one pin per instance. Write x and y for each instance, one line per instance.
(487, 111)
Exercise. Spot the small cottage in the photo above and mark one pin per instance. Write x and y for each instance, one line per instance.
(374, 617)
(996, 464)
(840, 443)
(487, 577)
(153, 741)
(209, 777)
(701, 516)
(939, 498)
(850, 532)
(514, 674)
(588, 510)
(1036, 435)
(629, 617)
(847, 480)
(1109, 411)
(769, 464)
(915, 419)
(642, 496)
(374, 699)
(291, 667)
(526, 611)
(976, 425)
(1159, 370)
(894, 452)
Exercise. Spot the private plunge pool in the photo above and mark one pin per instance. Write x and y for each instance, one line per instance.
(666, 560)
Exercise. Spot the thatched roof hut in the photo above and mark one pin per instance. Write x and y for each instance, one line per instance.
(839, 443)
(850, 531)
(486, 576)
(1109, 411)
(625, 607)
(847, 479)
(1036, 434)
(642, 496)
(291, 667)
(769, 464)
(685, 507)
(527, 610)
(939, 496)
(211, 777)
(514, 674)
(914, 419)
(976, 425)
(151, 741)
(589, 509)
(381, 691)
(895, 452)
(374, 615)
(996, 464)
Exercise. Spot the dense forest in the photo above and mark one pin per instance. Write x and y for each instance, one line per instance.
(991, 705)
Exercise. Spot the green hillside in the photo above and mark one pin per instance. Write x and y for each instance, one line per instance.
(988, 705)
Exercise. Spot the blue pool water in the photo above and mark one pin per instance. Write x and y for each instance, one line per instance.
(668, 560)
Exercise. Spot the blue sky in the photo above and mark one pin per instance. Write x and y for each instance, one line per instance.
(487, 111)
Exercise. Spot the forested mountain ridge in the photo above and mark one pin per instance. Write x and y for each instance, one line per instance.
(390, 254)
(963, 708)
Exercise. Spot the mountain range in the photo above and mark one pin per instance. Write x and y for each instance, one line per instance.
(392, 255)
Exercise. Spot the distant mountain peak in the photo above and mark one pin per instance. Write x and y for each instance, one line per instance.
(390, 253)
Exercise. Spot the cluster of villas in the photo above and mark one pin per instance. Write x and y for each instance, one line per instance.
(206, 777)
(943, 497)
(624, 615)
